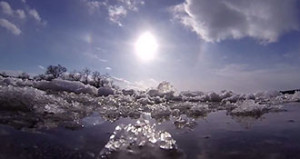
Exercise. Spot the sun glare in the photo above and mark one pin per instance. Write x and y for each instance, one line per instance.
(146, 46)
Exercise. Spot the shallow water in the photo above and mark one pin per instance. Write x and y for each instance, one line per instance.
(274, 135)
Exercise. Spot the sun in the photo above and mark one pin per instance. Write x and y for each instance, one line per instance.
(146, 46)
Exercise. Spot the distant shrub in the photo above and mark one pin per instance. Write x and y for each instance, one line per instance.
(55, 71)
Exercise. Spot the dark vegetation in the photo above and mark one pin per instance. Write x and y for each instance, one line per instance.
(290, 91)
(86, 76)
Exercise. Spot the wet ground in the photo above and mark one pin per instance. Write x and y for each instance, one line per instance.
(274, 135)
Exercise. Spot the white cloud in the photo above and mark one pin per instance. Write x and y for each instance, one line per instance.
(10, 26)
(116, 10)
(95, 56)
(137, 85)
(132, 4)
(145, 84)
(35, 15)
(216, 20)
(108, 68)
(115, 13)
(6, 9)
(101, 60)
(41, 67)
(20, 13)
(93, 5)
(11, 15)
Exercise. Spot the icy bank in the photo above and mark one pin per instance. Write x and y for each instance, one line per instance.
(58, 101)
(29, 99)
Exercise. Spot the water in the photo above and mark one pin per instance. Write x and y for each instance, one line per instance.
(274, 135)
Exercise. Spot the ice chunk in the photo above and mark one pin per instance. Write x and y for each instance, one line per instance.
(267, 94)
(253, 108)
(130, 92)
(165, 87)
(185, 122)
(191, 94)
(28, 98)
(16, 82)
(249, 107)
(23, 83)
(198, 110)
(68, 86)
(154, 93)
(105, 91)
(232, 99)
(144, 101)
(53, 108)
(296, 96)
(8, 81)
(214, 97)
(225, 94)
(204, 97)
(182, 106)
(139, 140)
(160, 112)
(164, 90)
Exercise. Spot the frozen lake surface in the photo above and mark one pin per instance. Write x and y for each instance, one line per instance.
(274, 135)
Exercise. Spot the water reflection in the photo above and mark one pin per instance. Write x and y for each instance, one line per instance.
(184, 122)
(215, 135)
(247, 121)
(182, 114)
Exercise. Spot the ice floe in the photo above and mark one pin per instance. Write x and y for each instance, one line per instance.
(140, 140)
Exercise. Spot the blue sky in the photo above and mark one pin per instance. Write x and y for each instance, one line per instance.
(204, 45)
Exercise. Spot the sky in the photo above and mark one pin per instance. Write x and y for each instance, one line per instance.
(207, 45)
